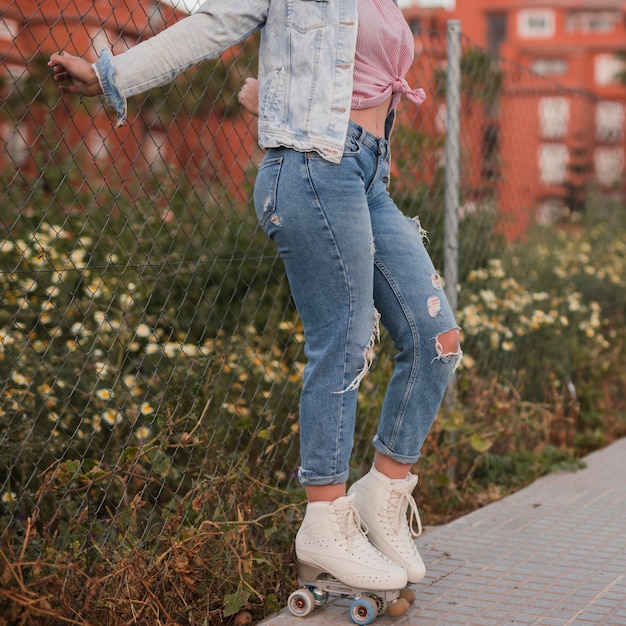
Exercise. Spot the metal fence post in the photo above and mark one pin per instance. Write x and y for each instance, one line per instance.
(451, 223)
(453, 126)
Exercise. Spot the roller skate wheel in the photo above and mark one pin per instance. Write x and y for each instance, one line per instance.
(301, 603)
(408, 594)
(364, 610)
(381, 603)
(397, 608)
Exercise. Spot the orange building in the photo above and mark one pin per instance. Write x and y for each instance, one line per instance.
(30, 30)
(207, 147)
(560, 126)
(539, 149)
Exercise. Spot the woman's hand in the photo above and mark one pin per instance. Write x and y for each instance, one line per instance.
(78, 72)
(249, 95)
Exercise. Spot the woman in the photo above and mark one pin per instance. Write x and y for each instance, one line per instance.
(331, 73)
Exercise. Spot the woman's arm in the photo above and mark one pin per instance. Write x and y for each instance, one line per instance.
(215, 27)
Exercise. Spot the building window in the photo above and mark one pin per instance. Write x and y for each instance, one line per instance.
(553, 117)
(609, 121)
(553, 163)
(491, 151)
(449, 5)
(535, 23)
(99, 41)
(496, 31)
(8, 29)
(156, 22)
(441, 119)
(16, 142)
(592, 21)
(609, 163)
(152, 148)
(415, 24)
(96, 143)
(607, 67)
(550, 67)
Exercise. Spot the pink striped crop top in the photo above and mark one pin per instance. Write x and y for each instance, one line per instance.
(384, 54)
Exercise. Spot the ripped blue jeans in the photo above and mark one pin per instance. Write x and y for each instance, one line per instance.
(353, 258)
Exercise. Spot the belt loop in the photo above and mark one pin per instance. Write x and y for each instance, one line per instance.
(356, 131)
(382, 148)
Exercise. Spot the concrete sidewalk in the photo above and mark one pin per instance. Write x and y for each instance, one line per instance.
(551, 554)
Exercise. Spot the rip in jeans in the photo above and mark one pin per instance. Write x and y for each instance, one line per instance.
(368, 356)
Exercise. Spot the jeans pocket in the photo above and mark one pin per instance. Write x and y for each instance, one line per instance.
(305, 15)
(352, 146)
(265, 192)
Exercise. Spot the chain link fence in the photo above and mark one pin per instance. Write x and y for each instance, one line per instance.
(150, 354)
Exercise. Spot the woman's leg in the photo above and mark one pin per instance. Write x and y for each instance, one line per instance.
(317, 214)
(408, 293)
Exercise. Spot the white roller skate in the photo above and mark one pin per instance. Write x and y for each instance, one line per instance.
(382, 505)
(336, 558)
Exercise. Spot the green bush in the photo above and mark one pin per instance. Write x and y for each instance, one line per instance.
(151, 362)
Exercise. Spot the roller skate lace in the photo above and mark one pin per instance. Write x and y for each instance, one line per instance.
(401, 502)
(354, 530)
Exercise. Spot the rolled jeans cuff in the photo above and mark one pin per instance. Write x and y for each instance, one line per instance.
(105, 71)
(307, 477)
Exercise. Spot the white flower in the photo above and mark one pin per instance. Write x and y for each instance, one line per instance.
(77, 256)
(100, 367)
(189, 349)
(19, 379)
(146, 408)
(104, 394)
(172, 349)
(129, 380)
(496, 268)
(142, 433)
(95, 289)
(111, 417)
(9, 496)
(125, 300)
(29, 285)
(143, 330)
(153, 348)
(99, 317)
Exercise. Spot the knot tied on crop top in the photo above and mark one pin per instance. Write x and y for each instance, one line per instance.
(384, 54)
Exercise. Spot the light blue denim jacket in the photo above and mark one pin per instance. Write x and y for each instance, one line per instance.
(306, 59)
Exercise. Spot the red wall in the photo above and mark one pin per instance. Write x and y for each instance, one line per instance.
(520, 190)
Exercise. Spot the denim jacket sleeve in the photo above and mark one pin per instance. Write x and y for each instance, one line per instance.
(214, 27)
(306, 62)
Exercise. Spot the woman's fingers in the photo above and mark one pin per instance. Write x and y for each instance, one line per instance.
(75, 70)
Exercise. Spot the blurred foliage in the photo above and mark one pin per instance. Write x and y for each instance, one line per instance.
(151, 359)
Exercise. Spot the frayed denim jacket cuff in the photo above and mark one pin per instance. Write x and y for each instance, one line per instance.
(105, 71)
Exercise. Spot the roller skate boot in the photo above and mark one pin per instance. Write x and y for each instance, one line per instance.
(332, 540)
(335, 557)
(382, 505)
